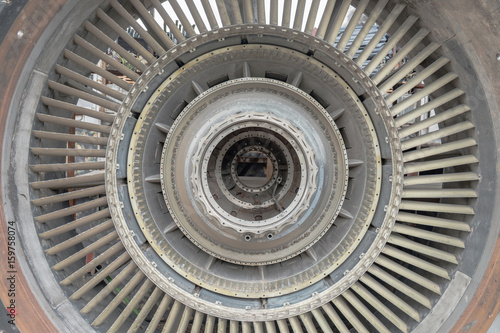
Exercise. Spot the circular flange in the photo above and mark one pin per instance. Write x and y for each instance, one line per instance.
(237, 159)
(312, 274)
(265, 113)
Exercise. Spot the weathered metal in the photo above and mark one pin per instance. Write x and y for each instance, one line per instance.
(461, 80)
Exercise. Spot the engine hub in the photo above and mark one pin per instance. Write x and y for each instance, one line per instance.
(255, 189)
(238, 218)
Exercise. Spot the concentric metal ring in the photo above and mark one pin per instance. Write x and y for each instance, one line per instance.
(262, 125)
(249, 288)
(247, 106)
(246, 154)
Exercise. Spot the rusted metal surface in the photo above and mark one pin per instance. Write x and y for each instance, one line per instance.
(485, 305)
(14, 51)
